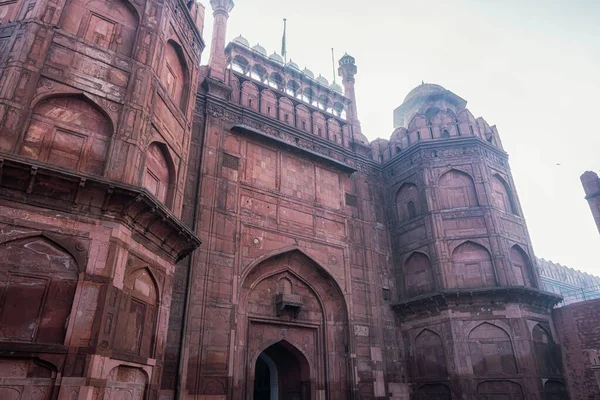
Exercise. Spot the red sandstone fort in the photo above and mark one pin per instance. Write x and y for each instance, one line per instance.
(171, 230)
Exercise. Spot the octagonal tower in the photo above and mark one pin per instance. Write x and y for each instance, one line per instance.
(469, 304)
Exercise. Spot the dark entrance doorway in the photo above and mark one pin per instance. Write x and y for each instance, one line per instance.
(282, 373)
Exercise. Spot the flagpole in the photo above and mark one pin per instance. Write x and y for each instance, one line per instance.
(283, 40)
(333, 64)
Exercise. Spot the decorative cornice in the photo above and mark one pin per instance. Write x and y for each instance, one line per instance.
(231, 114)
(29, 182)
(449, 298)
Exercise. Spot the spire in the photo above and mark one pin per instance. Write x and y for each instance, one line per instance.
(217, 62)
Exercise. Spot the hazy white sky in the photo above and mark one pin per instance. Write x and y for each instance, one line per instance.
(530, 67)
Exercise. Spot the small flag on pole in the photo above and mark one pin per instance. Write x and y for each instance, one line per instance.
(283, 49)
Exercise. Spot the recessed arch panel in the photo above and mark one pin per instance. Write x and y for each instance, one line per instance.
(491, 351)
(112, 25)
(472, 267)
(521, 266)
(407, 194)
(429, 355)
(457, 190)
(159, 173)
(70, 132)
(38, 279)
(418, 275)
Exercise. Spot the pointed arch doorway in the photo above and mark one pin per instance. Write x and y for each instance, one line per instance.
(282, 372)
(292, 319)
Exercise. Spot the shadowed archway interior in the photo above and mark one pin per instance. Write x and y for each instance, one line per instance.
(282, 373)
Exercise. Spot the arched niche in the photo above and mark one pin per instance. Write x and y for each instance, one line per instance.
(126, 382)
(109, 24)
(501, 195)
(407, 202)
(418, 276)
(521, 266)
(38, 279)
(268, 103)
(499, 389)
(429, 356)
(433, 391)
(457, 190)
(286, 111)
(159, 172)
(319, 124)
(472, 267)
(175, 74)
(303, 118)
(546, 351)
(491, 351)
(136, 322)
(335, 131)
(249, 96)
(70, 132)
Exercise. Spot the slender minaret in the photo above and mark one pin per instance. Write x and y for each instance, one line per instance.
(217, 62)
(347, 70)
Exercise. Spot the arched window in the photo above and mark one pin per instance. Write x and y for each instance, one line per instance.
(429, 355)
(70, 132)
(520, 265)
(157, 173)
(546, 352)
(445, 134)
(175, 74)
(491, 351)
(37, 286)
(501, 196)
(112, 25)
(407, 202)
(472, 266)
(457, 190)
(418, 275)
(137, 314)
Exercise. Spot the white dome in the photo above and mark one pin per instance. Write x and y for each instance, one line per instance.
(308, 73)
(241, 40)
(322, 80)
(335, 87)
(293, 65)
(259, 49)
(276, 57)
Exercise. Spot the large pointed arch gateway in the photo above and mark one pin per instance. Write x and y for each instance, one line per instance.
(293, 328)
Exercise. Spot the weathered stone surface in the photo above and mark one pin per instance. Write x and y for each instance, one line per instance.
(331, 268)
